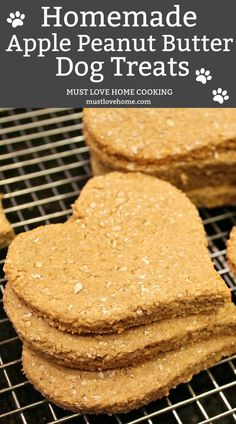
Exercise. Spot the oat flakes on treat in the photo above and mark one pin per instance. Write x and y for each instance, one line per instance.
(114, 350)
(231, 250)
(137, 253)
(6, 230)
(209, 196)
(193, 149)
(121, 390)
(154, 135)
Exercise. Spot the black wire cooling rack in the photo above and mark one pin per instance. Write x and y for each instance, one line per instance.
(43, 165)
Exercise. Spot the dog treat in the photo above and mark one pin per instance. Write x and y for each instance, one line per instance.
(137, 253)
(124, 389)
(207, 196)
(193, 149)
(6, 230)
(114, 350)
(71, 219)
(231, 250)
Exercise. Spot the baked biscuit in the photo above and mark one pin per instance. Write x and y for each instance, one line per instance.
(137, 253)
(194, 149)
(124, 389)
(231, 250)
(6, 230)
(114, 350)
(205, 196)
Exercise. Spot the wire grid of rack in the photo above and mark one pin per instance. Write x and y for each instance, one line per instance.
(43, 165)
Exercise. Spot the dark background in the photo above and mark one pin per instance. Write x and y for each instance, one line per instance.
(26, 82)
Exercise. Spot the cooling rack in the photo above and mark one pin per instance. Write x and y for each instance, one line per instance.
(43, 165)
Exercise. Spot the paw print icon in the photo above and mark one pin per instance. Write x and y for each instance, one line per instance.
(203, 75)
(16, 19)
(220, 95)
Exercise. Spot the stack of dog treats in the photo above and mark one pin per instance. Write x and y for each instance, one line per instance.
(122, 303)
(194, 149)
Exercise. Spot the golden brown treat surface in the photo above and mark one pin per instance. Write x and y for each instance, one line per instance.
(123, 389)
(137, 253)
(193, 149)
(154, 135)
(231, 250)
(214, 192)
(114, 350)
(6, 231)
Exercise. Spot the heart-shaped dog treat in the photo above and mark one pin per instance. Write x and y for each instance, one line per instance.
(135, 254)
(194, 149)
(105, 351)
(124, 389)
